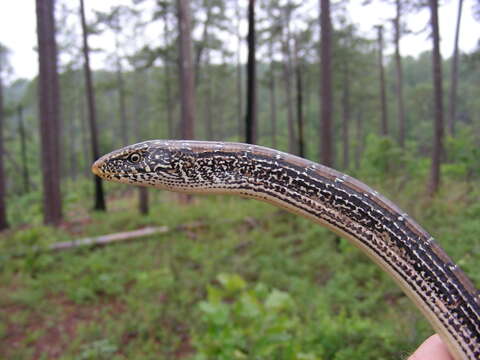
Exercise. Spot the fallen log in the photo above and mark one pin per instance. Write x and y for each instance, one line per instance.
(107, 239)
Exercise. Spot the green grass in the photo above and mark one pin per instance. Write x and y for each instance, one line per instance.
(253, 283)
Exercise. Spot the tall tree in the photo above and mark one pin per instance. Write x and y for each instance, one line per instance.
(359, 136)
(202, 46)
(251, 115)
(92, 113)
(271, 80)
(116, 20)
(239, 70)
(140, 127)
(209, 111)
(139, 100)
(346, 113)
(299, 70)
(454, 74)
(49, 100)
(288, 76)
(437, 150)
(399, 74)
(83, 122)
(23, 149)
(187, 77)
(166, 71)
(326, 131)
(346, 51)
(3, 209)
(383, 91)
(122, 96)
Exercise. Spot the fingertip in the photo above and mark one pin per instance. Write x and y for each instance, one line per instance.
(432, 348)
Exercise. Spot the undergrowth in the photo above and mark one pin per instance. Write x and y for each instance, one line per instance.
(252, 282)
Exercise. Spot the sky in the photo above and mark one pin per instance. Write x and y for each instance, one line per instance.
(18, 29)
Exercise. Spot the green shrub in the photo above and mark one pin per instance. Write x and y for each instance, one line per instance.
(245, 322)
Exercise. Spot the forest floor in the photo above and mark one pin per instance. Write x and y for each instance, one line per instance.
(253, 283)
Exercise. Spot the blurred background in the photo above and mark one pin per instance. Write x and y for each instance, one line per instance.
(385, 90)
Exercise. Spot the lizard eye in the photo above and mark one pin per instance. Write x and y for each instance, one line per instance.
(134, 158)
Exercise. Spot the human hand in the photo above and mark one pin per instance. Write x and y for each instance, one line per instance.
(432, 348)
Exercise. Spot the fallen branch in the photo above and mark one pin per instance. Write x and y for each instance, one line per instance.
(122, 236)
(110, 238)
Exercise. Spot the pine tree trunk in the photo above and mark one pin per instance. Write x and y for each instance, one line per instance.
(86, 146)
(271, 90)
(208, 98)
(437, 151)
(203, 44)
(167, 80)
(122, 107)
(454, 74)
(168, 101)
(23, 150)
(240, 118)
(186, 70)
(3, 207)
(73, 139)
(251, 117)
(287, 74)
(346, 114)
(399, 76)
(49, 101)
(187, 78)
(300, 119)
(139, 101)
(359, 138)
(326, 100)
(273, 106)
(383, 91)
(92, 114)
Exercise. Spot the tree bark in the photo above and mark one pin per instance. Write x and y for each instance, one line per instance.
(23, 149)
(239, 73)
(359, 137)
(49, 101)
(187, 86)
(71, 114)
(454, 74)
(251, 116)
(122, 107)
(399, 77)
(271, 89)
(383, 92)
(208, 98)
(203, 44)
(346, 114)
(85, 143)
(166, 74)
(287, 74)
(273, 105)
(326, 133)
(187, 78)
(300, 119)
(99, 203)
(437, 151)
(3, 206)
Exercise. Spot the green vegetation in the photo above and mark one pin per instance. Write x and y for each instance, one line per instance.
(253, 283)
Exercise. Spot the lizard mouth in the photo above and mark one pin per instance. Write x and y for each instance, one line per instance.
(96, 168)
